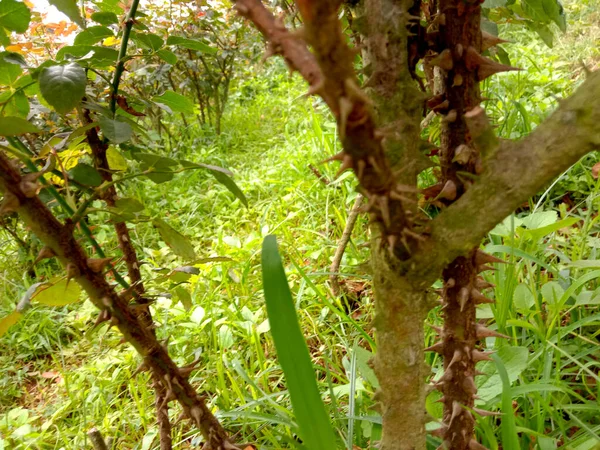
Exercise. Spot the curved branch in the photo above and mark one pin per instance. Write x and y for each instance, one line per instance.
(514, 173)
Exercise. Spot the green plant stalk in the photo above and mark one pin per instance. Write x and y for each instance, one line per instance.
(129, 21)
(67, 208)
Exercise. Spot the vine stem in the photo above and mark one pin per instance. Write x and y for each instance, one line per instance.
(129, 21)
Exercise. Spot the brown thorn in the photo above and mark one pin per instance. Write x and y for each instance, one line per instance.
(45, 253)
(469, 385)
(346, 164)
(437, 347)
(484, 258)
(384, 207)
(443, 60)
(479, 298)
(463, 297)
(481, 356)
(486, 413)
(483, 332)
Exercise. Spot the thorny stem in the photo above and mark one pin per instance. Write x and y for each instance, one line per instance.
(59, 238)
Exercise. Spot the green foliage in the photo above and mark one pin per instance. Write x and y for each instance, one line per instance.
(63, 86)
(315, 429)
(15, 126)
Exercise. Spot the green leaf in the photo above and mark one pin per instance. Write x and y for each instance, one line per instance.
(14, 15)
(192, 44)
(9, 73)
(175, 240)
(175, 102)
(523, 298)
(92, 35)
(105, 17)
(149, 41)
(167, 56)
(539, 233)
(510, 438)
(14, 126)
(18, 105)
(70, 8)
(114, 130)
(94, 55)
(8, 321)
(315, 428)
(130, 205)
(515, 361)
(540, 219)
(14, 58)
(58, 292)
(494, 4)
(552, 292)
(555, 11)
(226, 181)
(63, 86)
(362, 362)
(545, 33)
(86, 175)
(535, 10)
(116, 161)
(184, 297)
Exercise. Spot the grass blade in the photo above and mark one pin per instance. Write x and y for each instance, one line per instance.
(292, 353)
(510, 438)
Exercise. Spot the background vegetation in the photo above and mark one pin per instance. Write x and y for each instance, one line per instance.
(60, 376)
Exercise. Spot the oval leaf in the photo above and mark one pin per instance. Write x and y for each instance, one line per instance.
(92, 35)
(86, 175)
(175, 240)
(292, 353)
(14, 16)
(114, 130)
(176, 102)
(14, 126)
(8, 321)
(105, 17)
(59, 293)
(70, 9)
(63, 87)
(149, 41)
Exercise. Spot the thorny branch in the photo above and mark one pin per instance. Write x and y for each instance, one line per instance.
(60, 240)
(330, 74)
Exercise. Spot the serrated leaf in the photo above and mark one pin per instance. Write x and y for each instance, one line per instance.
(8, 321)
(149, 41)
(86, 175)
(293, 356)
(93, 35)
(523, 298)
(105, 17)
(15, 126)
(70, 8)
(226, 181)
(192, 44)
(115, 130)
(175, 240)
(14, 15)
(116, 161)
(63, 86)
(176, 102)
(58, 293)
(515, 361)
(167, 56)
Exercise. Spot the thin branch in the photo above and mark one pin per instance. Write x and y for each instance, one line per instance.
(59, 238)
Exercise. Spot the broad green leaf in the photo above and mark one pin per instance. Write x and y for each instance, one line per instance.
(86, 175)
(18, 105)
(555, 11)
(115, 130)
(362, 362)
(162, 165)
(515, 361)
(14, 126)
(130, 205)
(63, 86)
(545, 33)
(226, 181)
(9, 73)
(184, 297)
(93, 55)
(539, 233)
(58, 292)
(115, 159)
(92, 35)
(14, 15)
(539, 219)
(552, 292)
(586, 297)
(192, 44)
(315, 428)
(167, 56)
(149, 41)
(8, 321)
(523, 298)
(105, 17)
(176, 102)
(70, 8)
(510, 438)
(586, 264)
(175, 240)
(14, 58)
(535, 10)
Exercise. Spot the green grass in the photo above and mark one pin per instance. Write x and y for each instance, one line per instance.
(59, 378)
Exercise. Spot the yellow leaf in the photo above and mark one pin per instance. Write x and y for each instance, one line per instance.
(58, 293)
(116, 161)
(111, 40)
(8, 321)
